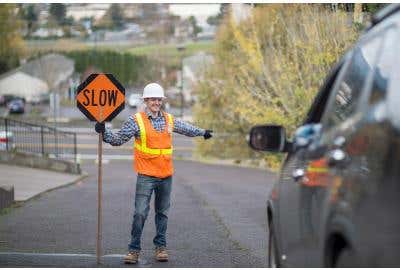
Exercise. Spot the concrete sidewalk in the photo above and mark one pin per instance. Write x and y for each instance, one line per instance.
(29, 182)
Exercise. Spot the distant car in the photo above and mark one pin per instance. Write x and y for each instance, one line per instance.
(337, 200)
(135, 100)
(6, 139)
(7, 98)
(16, 106)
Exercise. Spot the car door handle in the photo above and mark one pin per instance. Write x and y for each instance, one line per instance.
(337, 158)
(339, 141)
(298, 174)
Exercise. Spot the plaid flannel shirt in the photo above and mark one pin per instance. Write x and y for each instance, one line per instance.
(131, 128)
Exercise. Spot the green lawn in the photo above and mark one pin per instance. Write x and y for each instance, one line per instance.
(169, 53)
(168, 50)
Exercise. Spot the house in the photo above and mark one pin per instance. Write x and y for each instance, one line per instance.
(18, 83)
(35, 79)
(54, 69)
(48, 32)
(88, 10)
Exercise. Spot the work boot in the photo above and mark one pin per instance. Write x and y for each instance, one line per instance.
(161, 254)
(132, 257)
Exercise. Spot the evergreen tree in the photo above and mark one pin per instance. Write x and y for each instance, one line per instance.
(216, 20)
(58, 12)
(31, 17)
(117, 18)
(196, 29)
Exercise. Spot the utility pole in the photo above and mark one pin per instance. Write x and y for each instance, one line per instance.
(181, 48)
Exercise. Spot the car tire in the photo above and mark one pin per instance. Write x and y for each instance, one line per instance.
(345, 259)
(273, 259)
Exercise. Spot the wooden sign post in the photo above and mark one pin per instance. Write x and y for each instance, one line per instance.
(100, 98)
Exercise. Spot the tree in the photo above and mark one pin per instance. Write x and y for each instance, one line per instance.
(267, 69)
(58, 12)
(350, 7)
(113, 19)
(116, 15)
(373, 7)
(31, 17)
(69, 21)
(11, 43)
(217, 19)
(196, 29)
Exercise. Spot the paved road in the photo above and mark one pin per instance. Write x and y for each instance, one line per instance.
(217, 219)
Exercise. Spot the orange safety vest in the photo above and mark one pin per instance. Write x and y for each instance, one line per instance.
(153, 151)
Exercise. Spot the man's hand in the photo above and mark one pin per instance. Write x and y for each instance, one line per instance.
(100, 127)
(207, 135)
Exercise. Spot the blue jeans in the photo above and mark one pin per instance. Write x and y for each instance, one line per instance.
(144, 189)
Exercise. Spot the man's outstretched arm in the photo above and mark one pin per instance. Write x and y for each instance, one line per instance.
(190, 130)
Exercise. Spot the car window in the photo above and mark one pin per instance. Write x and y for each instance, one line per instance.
(318, 106)
(349, 88)
(384, 64)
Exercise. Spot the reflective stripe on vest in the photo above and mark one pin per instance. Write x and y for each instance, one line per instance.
(143, 147)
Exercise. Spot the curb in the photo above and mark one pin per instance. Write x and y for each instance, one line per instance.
(80, 178)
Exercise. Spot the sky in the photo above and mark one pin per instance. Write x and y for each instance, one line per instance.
(200, 11)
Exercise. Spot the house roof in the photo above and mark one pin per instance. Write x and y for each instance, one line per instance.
(51, 68)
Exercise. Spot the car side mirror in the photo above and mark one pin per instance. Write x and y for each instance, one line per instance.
(270, 138)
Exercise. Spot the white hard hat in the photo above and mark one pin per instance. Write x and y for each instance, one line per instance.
(153, 90)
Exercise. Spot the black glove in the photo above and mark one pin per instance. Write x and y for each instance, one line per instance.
(207, 135)
(100, 127)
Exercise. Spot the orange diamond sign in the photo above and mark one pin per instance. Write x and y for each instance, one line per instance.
(100, 97)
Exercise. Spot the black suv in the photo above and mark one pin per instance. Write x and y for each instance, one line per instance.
(337, 200)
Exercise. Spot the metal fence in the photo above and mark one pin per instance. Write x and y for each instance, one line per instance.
(37, 139)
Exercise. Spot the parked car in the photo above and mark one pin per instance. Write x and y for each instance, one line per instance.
(135, 100)
(337, 200)
(7, 98)
(16, 106)
(6, 140)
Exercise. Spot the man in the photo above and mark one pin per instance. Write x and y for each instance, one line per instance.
(153, 163)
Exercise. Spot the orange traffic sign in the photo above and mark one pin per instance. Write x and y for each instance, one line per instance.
(100, 97)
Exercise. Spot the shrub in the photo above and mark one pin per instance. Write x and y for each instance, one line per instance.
(268, 68)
